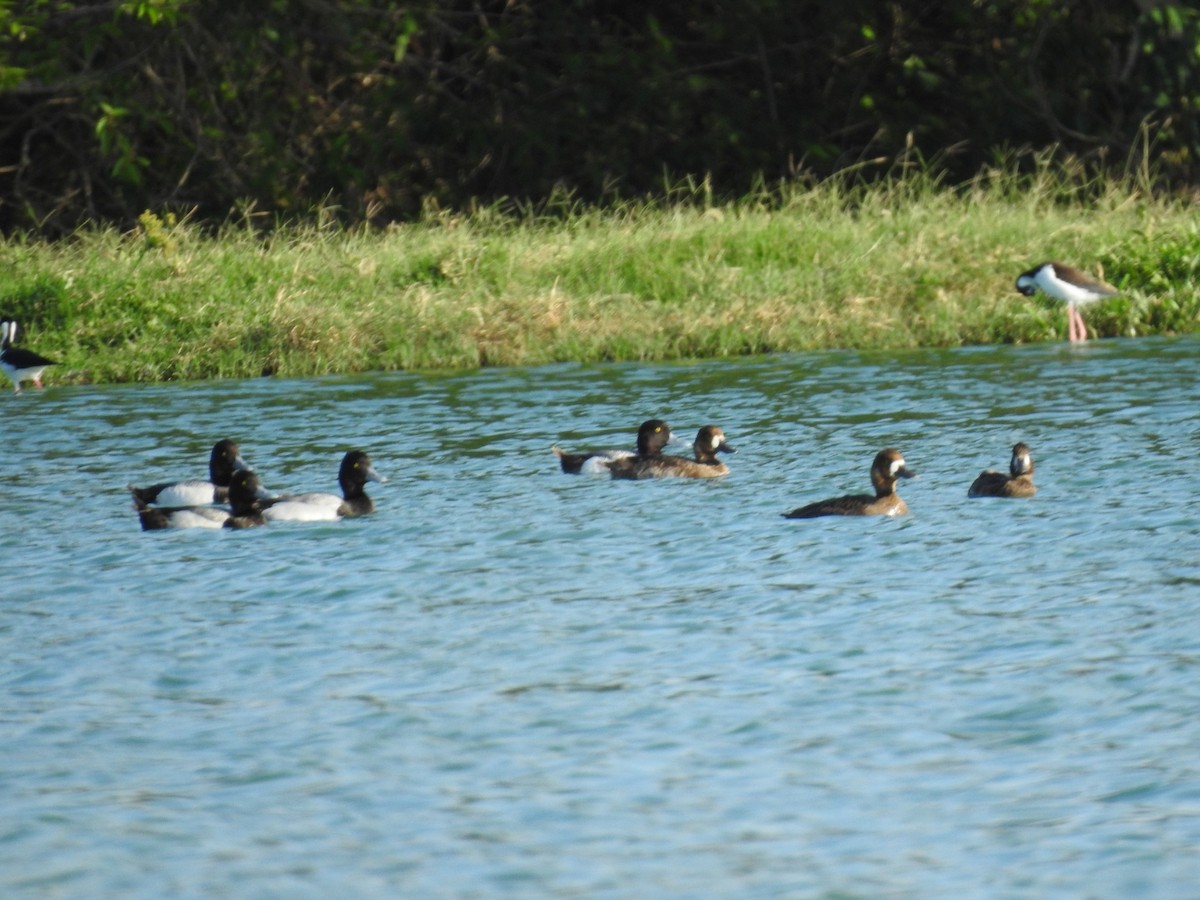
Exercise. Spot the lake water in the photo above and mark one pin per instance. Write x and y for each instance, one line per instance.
(511, 682)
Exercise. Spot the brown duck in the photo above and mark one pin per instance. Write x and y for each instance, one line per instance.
(1018, 483)
(710, 440)
(885, 471)
(652, 436)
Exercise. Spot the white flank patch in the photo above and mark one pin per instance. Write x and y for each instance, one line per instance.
(186, 493)
(198, 518)
(305, 508)
(597, 464)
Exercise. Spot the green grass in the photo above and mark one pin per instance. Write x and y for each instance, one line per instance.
(902, 263)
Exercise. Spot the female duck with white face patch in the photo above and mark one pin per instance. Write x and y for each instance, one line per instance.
(710, 440)
(885, 471)
(1017, 483)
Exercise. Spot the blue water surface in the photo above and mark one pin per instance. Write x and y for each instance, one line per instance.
(512, 682)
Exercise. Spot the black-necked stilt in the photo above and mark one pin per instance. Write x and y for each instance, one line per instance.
(1069, 285)
(18, 363)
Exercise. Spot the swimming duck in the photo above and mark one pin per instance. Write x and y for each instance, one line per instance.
(18, 363)
(652, 436)
(1018, 483)
(224, 460)
(1069, 285)
(885, 470)
(710, 440)
(245, 491)
(356, 470)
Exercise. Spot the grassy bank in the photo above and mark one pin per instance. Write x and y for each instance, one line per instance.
(900, 264)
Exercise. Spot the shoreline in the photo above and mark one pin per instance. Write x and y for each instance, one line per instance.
(881, 267)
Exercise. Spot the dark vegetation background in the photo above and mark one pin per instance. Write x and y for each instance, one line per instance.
(376, 111)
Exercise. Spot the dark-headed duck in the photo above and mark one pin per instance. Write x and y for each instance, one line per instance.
(245, 510)
(1018, 483)
(225, 459)
(355, 471)
(652, 436)
(710, 440)
(885, 471)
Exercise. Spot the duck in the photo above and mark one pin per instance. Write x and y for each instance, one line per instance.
(356, 470)
(653, 435)
(1018, 483)
(1069, 285)
(888, 467)
(224, 460)
(710, 440)
(245, 509)
(18, 363)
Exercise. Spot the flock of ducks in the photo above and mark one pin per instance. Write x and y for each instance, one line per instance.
(233, 496)
(1063, 283)
(648, 461)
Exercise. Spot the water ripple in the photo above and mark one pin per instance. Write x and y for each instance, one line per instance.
(510, 681)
